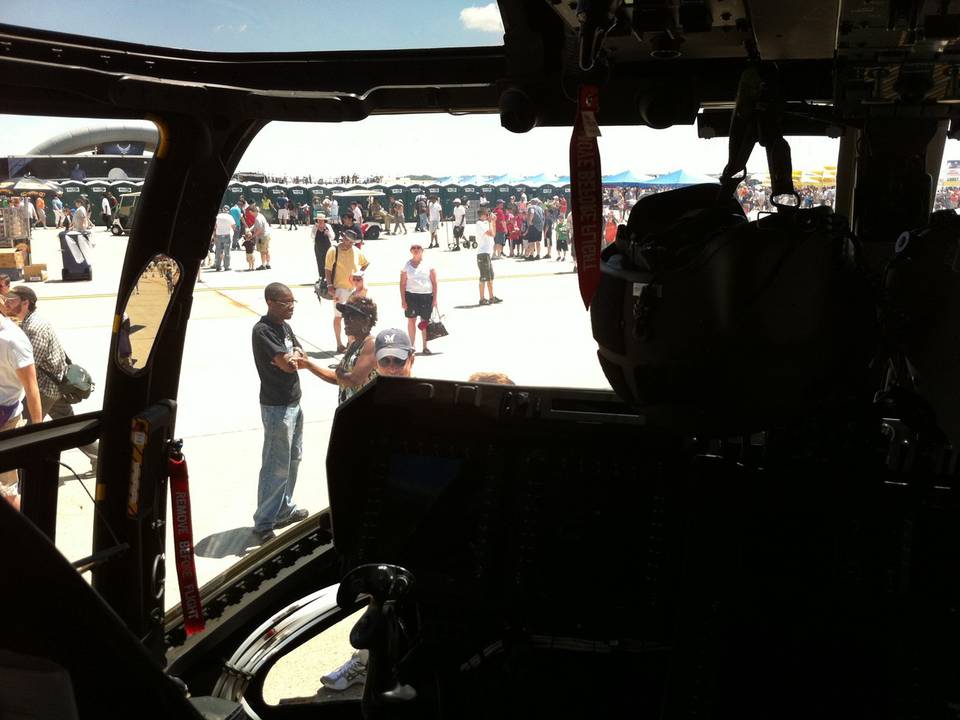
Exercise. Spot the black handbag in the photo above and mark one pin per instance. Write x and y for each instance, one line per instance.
(435, 327)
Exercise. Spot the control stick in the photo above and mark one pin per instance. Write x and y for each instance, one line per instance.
(380, 633)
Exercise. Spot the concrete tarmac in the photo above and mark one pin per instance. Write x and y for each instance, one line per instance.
(539, 335)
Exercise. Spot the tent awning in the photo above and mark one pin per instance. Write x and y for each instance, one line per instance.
(678, 178)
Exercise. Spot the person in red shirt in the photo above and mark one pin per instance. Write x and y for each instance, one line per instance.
(563, 206)
(513, 233)
(500, 230)
(249, 217)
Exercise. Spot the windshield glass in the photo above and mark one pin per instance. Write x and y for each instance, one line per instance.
(251, 26)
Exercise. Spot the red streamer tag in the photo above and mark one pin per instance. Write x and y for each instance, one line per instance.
(190, 602)
(585, 192)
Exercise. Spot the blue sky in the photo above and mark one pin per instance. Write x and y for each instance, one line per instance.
(255, 25)
(387, 145)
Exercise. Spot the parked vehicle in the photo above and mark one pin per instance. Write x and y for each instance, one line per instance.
(123, 220)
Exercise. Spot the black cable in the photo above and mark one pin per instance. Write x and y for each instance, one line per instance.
(96, 510)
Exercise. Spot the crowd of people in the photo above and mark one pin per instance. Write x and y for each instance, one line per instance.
(311, 180)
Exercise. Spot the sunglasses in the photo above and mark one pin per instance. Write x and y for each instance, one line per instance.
(389, 360)
(283, 303)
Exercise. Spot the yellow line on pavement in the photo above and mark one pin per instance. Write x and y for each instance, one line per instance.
(203, 287)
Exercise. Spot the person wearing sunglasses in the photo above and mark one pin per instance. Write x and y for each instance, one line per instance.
(394, 353)
(358, 365)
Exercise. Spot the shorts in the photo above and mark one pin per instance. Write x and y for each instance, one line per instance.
(533, 235)
(434, 224)
(418, 305)
(263, 244)
(486, 267)
(499, 239)
(458, 231)
(10, 479)
(283, 214)
(561, 242)
(340, 295)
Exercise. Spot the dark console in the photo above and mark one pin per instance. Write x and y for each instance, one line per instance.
(535, 552)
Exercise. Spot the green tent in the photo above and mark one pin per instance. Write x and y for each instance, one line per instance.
(232, 194)
(402, 193)
(315, 196)
(254, 193)
(96, 190)
(447, 194)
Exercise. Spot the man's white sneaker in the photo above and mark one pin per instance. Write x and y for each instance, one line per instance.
(352, 672)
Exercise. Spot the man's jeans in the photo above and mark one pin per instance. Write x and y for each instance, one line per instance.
(282, 450)
(422, 223)
(222, 257)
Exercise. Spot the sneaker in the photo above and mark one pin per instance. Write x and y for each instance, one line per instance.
(494, 300)
(352, 672)
(294, 517)
(261, 267)
(267, 266)
(264, 536)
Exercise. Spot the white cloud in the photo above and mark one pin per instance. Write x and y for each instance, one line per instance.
(484, 18)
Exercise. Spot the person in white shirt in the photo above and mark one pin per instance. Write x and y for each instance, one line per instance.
(485, 234)
(459, 222)
(223, 228)
(18, 384)
(79, 217)
(105, 212)
(418, 293)
(434, 213)
(260, 232)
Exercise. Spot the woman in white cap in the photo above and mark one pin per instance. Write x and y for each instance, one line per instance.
(359, 288)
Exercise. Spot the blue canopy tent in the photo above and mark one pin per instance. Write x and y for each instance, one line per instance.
(478, 180)
(507, 179)
(627, 177)
(535, 181)
(678, 178)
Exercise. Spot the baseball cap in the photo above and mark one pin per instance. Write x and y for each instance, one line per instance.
(349, 234)
(321, 216)
(416, 245)
(456, 201)
(393, 343)
(24, 293)
(357, 273)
